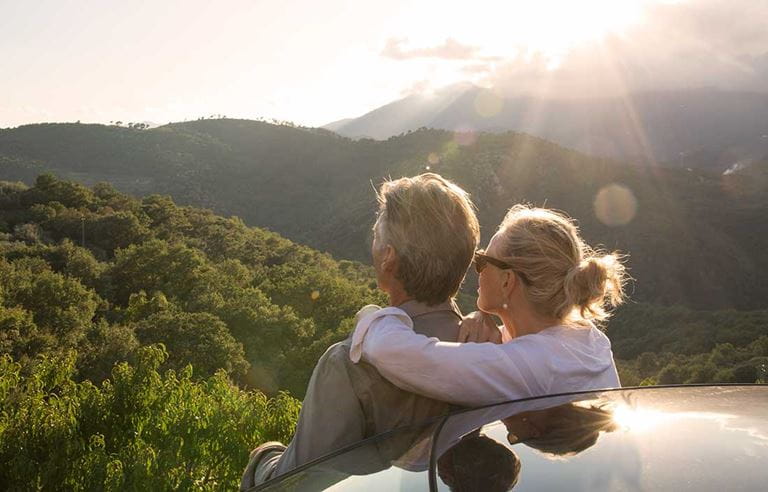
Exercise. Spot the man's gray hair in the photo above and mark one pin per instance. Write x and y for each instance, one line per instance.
(431, 224)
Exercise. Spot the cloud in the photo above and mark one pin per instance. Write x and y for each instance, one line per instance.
(449, 50)
(477, 68)
(418, 87)
(703, 43)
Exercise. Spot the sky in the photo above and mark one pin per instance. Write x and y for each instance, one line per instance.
(315, 62)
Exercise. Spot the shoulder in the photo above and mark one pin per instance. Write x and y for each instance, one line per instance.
(369, 321)
(337, 352)
(580, 333)
(555, 343)
(369, 316)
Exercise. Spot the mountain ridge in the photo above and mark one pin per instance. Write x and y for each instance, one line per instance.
(690, 234)
(670, 127)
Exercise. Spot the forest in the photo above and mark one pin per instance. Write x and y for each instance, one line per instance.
(690, 233)
(148, 344)
(144, 341)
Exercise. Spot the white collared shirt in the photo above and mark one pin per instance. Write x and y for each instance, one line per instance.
(558, 359)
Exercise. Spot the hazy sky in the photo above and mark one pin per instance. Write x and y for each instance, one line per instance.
(312, 62)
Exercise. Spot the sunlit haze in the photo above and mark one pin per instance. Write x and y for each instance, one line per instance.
(314, 62)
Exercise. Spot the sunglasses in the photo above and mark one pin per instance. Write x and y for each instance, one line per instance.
(482, 260)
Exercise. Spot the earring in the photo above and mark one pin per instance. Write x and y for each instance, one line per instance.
(505, 305)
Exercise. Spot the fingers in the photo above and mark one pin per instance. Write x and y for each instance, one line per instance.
(464, 331)
(479, 327)
(494, 331)
(467, 328)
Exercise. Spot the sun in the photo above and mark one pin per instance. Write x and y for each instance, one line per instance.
(515, 28)
(554, 27)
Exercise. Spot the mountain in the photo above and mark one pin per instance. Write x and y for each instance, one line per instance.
(409, 113)
(692, 235)
(706, 128)
(335, 125)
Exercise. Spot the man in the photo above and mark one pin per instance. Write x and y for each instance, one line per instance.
(423, 242)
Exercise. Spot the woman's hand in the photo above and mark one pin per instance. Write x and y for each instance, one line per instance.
(479, 327)
(365, 311)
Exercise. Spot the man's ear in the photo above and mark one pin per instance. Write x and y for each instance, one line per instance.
(389, 261)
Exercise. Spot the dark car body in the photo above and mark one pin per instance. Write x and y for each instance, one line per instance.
(677, 438)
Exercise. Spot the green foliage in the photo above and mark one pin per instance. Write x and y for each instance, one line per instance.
(640, 327)
(48, 189)
(103, 346)
(218, 294)
(138, 430)
(200, 339)
(691, 242)
(59, 305)
(19, 335)
(725, 363)
(84, 404)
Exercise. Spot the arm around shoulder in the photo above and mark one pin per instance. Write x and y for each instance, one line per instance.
(464, 374)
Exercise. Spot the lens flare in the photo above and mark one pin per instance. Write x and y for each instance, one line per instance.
(464, 136)
(615, 205)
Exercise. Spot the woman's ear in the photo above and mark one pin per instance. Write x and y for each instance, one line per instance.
(509, 283)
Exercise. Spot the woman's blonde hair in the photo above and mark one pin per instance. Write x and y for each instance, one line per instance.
(566, 278)
(570, 429)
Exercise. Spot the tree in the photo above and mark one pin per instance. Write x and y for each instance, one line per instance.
(647, 364)
(48, 189)
(200, 339)
(19, 335)
(59, 305)
(142, 430)
(745, 373)
(102, 347)
(156, 265)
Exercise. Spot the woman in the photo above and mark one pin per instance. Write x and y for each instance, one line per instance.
(547, 286)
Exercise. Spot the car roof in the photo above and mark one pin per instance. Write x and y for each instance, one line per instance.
(637, 435)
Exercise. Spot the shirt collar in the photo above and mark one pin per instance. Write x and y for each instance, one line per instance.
(415, 308)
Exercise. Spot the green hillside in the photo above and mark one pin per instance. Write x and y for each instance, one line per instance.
(148, 345)
(694, 238)
(145, 344)
(79, 263)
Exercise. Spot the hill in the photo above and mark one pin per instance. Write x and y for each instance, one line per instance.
(138, 338)
(99, 272)
(691, 235)
(703, 128)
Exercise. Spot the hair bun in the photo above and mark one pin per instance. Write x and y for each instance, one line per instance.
(593, 284)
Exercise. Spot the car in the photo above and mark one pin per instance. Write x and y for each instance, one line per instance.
(681, 438)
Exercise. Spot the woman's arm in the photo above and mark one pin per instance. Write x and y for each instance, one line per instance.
(460, 373)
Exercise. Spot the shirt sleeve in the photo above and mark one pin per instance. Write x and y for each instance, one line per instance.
(459, 373)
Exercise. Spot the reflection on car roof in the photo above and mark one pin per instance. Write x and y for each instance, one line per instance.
(682, 437)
